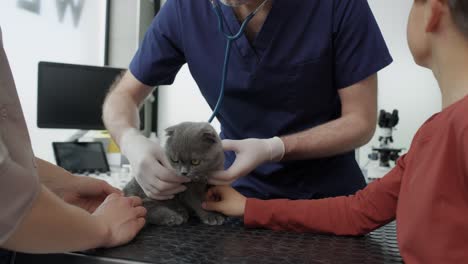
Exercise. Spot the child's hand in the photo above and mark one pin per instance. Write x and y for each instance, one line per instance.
(225, 200)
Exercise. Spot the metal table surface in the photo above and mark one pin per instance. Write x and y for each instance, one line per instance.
(232, 243)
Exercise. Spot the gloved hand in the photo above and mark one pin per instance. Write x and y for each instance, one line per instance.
(150, 166)
(250, 153)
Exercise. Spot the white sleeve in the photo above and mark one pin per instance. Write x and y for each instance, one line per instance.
(19, 182)
(19, 188)
(3, 152)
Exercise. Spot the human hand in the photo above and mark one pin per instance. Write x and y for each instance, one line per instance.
(225, 200)
(121, 217)
(250, 153)
(150, 166)
(87, 193)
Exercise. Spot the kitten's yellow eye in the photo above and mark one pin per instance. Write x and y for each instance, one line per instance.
(174, 160)
(195, 162)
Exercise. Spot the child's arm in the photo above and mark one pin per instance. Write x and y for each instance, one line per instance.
(353, 215)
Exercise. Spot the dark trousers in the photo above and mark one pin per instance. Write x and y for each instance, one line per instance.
(7, 257)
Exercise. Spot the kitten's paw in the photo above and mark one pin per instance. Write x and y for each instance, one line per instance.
(167, 217)
(211, 218)
(183, 212)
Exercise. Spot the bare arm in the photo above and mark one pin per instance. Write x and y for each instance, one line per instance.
(54, 226)
(85, 192)
(353, 129)
(52, 177)
(60, 181)
(121, 107)
(47, 224)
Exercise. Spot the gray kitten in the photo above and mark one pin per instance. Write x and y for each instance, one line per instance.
(195, 151)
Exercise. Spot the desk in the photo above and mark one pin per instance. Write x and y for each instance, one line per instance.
(231, 243)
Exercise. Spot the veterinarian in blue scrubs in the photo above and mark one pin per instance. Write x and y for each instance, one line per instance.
(305, 72)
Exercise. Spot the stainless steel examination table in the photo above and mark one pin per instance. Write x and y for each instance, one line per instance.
(232, 243)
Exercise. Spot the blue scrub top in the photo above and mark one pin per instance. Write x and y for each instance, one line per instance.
(286, 81)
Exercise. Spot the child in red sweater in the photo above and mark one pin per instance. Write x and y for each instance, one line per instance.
(427, 191)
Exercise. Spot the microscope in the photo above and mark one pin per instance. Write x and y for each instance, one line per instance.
(385, 152)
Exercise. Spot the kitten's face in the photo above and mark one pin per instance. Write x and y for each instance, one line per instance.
(194, 150)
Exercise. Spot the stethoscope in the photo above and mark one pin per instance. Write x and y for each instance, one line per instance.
(230, 39)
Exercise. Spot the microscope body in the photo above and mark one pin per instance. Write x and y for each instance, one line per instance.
(385, 153)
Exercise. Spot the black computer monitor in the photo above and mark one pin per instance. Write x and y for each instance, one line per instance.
(70, 96)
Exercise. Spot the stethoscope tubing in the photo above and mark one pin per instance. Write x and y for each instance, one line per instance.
(229, 40)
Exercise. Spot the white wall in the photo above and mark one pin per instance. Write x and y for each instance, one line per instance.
(123, 35)
(30, 37)
(181, 102)
(403, 85)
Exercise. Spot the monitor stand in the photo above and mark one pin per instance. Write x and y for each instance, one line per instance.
(148, 116)
(77, 135)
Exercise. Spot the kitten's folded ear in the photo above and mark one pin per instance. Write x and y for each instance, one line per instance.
(170, 131)
(209, 135)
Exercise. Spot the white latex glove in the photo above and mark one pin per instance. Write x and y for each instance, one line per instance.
(250, 153)
(150, 166)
